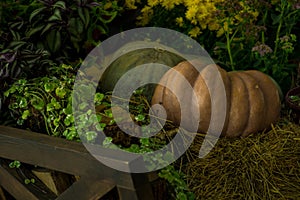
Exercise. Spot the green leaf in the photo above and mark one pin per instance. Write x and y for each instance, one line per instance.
(68, 109)
(16, 35)
(68, 120)
(32, 31)
(81, 15)
(36, 12)
(47, 27)
(49, 87)
(64, 66)
(9, 91)
(23, 102)
(38, 104)
(134, 148)
(56, 16)
(22, 82)
(25, 114)
(87, 17)
(98, 97)
(276, 19)
(60, 92)
(221, 45)
(100, 126)
(140, 117)
(84, 15)
(91, 135)
(83, 105)
(27, 181)
(76, 27)
(55, 104)
(89, 112)
(50, 107)
(111, 15)
(60, 4)
(15, 164)
(16, 44)
(54, 40)
(56, 122)
(108, 113)
(99, 117)
(20, 121)
(107, 141)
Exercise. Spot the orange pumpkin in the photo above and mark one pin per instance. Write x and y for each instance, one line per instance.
(252, 98)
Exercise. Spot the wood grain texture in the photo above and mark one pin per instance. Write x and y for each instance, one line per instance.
(69, 157)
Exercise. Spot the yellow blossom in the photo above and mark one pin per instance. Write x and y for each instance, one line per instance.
(213, 26)
(179, 21)
(130, 4)
(191, 12)
(147, 13)
(195, 32)
(170, 4)
(153, 3)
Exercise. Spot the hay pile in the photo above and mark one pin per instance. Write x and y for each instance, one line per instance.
(262, 166)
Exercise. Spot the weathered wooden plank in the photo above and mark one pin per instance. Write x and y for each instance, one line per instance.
(49, 152)
(38, 189)
(72, 158)
(2, 195)
(14, 187)
(144, 192)
(88, 189)
(56, 181)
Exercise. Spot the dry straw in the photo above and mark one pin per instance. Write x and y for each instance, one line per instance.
(262, 166)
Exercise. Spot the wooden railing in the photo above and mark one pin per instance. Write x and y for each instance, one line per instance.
(96, 179)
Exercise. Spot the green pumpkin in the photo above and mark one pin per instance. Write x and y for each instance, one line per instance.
(135, 58)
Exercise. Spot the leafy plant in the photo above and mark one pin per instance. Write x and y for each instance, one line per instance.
(238, 34)
(138, 107)
(36, 34)
(295, 99)
(178, 188)
(44, 104)
(15, 164)
(266, 44)
(66, 29)
(69, 29)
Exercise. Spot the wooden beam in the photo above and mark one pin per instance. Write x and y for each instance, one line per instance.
(72, 158)
(2, 195)
(49, 152)
(14, 179)
(87, 189)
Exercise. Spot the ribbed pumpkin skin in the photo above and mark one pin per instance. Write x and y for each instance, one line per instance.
(253, 100)
(133, 59)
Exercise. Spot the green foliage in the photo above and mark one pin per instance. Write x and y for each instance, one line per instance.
(267, 44)
(37, 34)
(176, 180)
(29, 181)
(44, 104)
(65, 29)
(238, 34)
(15, 164)
(295, 99)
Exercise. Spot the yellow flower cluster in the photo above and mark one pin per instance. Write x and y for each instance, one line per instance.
(130, 4)
(200, 13)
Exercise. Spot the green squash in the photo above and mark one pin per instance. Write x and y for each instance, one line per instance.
(135, 58)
